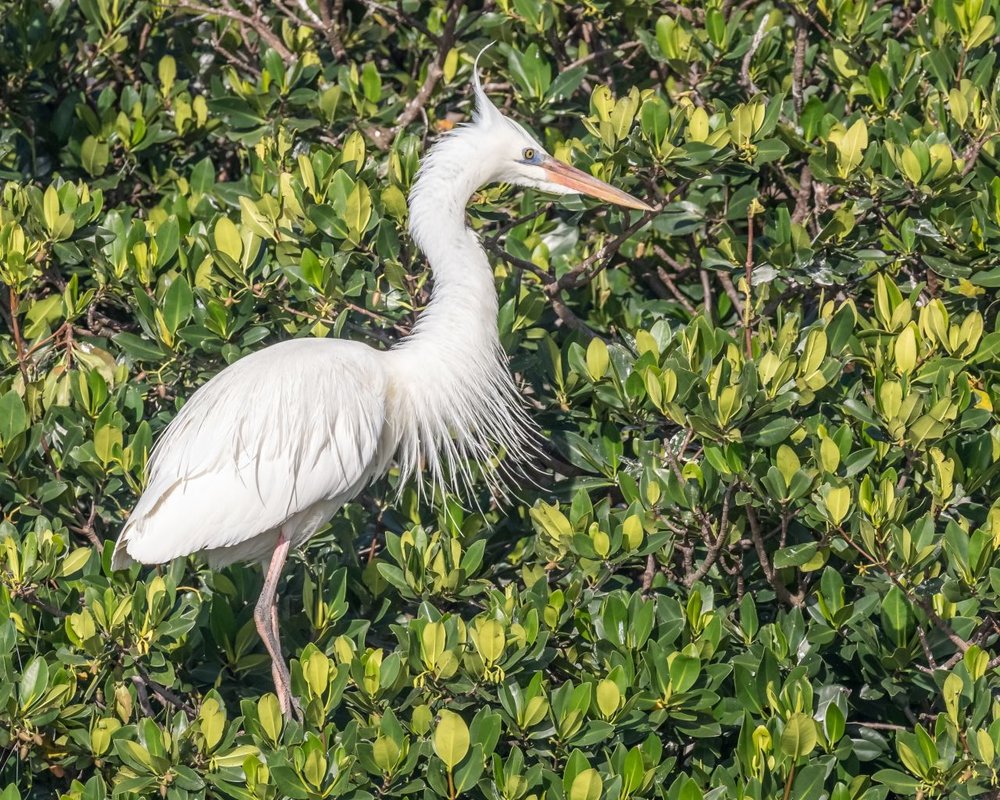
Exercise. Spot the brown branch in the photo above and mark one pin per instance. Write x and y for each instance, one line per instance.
(715, 547)
(971, 154)
(666, 279)
(706, 290)
(649, 573)
(29, 595)
(799, 62)
(924, 605)
(434, 71)
(520, 263)
(570, 319)
(330, 14)
(601, 53)
(586, 271)
(745, 80)
(15, 329)
(257, 25)
(327, 22)
(801, 212)
(401, 15)
(931, 662)
(780, 590)
(730, 290)
(162, 692)
(748, 305)
(142, 696)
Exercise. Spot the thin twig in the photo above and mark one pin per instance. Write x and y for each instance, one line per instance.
(520, 263)
(801, 212)
(706, 290)
(780, 590)
(648, 574)
(15, 329)
(435, 70)
(162, 692)
(799, 62)
(730, 290)
(258, 26)
(748, 305)
(878, 726)
(716, 546)
(758, 37)
(971, 154)
(586, 270)
(667, 280)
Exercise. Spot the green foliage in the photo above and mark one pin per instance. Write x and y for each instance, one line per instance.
(765, 560)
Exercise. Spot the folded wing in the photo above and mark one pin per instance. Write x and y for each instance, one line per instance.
(294, 427)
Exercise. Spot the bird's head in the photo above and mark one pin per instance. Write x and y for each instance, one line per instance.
(512, 155)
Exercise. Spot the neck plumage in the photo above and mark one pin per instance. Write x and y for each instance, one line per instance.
(455, 402)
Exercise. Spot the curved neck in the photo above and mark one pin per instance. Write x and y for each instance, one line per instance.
(453, 403)
(463, 307)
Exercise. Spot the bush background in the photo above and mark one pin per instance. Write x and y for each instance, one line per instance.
(764, 558)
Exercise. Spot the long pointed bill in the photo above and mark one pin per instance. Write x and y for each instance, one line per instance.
(579, 181)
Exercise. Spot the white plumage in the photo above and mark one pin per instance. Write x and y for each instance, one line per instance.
(284, 436)
(269, 449)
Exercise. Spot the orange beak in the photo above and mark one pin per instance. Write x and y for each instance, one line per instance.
(579, 181)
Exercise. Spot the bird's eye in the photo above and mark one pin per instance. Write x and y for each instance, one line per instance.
(528, 154)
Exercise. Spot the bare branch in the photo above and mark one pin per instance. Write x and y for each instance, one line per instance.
(780, 590)
(434, 71)
(257, 24)
(745, 80)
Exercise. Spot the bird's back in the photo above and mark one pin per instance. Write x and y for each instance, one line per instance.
(282, 437)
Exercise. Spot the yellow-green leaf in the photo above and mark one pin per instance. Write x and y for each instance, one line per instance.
(632, 531)
(490, 640)
(951, 692)
(587, 785)
(597, 358)
(354, 149)
(359, 210)
(451, 738)
(829, 454)
(227, 238)
(788, 463)
(609, 697)
(269, 714)
(76, 560)
(910, 165)
(166, 71)
(905, 349)
(851, 147)
(50, 207)
(433, 641)
(698, 125)
(386, 753)
(799, 736)
(838, 502)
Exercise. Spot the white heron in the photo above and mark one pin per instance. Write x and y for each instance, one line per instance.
(268, 450)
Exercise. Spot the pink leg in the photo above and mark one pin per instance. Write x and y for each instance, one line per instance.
(266, 618)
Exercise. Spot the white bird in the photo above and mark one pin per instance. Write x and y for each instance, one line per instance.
(268, 450)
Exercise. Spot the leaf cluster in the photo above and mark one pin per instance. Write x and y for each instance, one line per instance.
(762, 558)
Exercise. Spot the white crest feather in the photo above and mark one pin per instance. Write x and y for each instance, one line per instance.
(485, 110)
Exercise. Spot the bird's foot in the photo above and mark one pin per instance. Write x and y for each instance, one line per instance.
(291, 708)
(296, 711)
(287, 702)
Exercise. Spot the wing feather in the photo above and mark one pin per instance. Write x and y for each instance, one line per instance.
(293, 427)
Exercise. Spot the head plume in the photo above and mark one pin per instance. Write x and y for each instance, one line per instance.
(486, 112)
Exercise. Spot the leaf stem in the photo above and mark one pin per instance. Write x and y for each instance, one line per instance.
(748, 267)
(788, 782)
